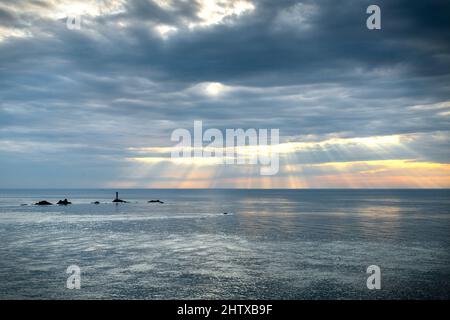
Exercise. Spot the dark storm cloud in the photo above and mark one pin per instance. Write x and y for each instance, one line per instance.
(308, 68)
(326, 46)
(146, 10)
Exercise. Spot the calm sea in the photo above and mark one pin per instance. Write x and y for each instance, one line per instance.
(272, 244)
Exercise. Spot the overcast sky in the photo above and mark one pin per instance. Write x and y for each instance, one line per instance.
(96, 107)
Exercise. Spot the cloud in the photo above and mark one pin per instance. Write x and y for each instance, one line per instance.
(137, 70)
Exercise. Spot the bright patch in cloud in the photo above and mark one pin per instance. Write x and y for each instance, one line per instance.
(214, 88)
(215, 11)
(165, 30)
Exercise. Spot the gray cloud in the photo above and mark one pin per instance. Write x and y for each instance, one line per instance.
(310, 68)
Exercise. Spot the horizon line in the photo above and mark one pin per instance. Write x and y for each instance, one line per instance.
(111, 188)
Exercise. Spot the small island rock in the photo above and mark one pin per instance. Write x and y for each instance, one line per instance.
(64, 202)
(43, 203)
(155, 201)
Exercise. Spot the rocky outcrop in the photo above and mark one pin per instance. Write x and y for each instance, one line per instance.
(119, 200)
(155, 201)
(64, 202)
(43, 203)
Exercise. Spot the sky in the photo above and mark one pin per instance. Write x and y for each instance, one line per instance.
(95, 107)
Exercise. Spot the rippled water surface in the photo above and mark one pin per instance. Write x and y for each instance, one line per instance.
(279, 244)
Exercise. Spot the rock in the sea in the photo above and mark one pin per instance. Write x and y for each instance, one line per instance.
(155, 201)
(64, 202)
(43, 203)
(96, 202)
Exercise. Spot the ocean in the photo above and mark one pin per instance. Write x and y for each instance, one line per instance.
(271, 244)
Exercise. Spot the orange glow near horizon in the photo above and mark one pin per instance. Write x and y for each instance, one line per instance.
(165, 172)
